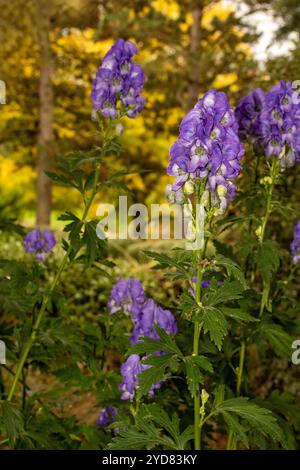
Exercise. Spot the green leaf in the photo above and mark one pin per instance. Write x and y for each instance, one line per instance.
(214, 323)
(161, 418)
(239, 315)
(203, 363)
(227, 292)
(286, 405)
(235, 427)
(60, 179)
(193, 375)
(13, 421)
(267, 259)
(232, 269)
(260, 419)
(165, 261)
(194, 365)
(166, 340)
(150, 429)
(68, 216)
(156, 372)
(219, 395)
(144, 435)
(149, 345)
(279, 339)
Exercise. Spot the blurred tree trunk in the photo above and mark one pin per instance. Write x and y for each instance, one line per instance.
(195, 69)
(45, 135)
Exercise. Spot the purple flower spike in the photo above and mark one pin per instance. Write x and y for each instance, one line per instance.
(39, 242)
(208, 149)
(119, 82)
(129, 297)
(295, 245)
(271, 122)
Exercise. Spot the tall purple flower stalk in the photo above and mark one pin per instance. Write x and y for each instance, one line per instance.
(39, 243)
(271, 121)
(129, 297)
(119, 82)
(295, 245)
(208, 151)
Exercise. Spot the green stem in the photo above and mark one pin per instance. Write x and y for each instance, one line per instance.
(4, 441)
(231, 444)
(47, 296)
(273, 174)
(35, 327)
(197, 330)
(241, 368)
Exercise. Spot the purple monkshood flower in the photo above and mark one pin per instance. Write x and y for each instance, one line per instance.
(247, 113)
(106, 417)
(295, 245)
(127, 296)
(208, 149)
(271, 121)
(119, 82)
(152, 314)
(39, 242)
(129, 371)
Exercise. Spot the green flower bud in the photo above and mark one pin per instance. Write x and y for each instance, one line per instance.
(221, 190)
(189, 188)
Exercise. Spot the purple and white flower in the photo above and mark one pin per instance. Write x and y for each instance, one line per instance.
(295, 245)
(39, 243)
(119, 82)
(208, 150)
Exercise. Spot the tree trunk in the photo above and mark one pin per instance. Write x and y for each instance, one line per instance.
(195, 57)
(45, 135)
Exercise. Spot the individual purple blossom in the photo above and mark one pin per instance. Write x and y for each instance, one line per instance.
(129, 371)
(119, 82)
(106, 416)
(39, 242)
(127, 296)
(271, 121)
(208, 150)
(150, 315)
(295, 245)
(247, 113)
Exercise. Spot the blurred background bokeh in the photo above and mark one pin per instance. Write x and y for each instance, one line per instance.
(51, 49)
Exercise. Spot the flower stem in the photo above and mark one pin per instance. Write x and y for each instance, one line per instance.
(273, 175)
(231, 444)
(197, 330)
(241, 368)
(47, 296)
